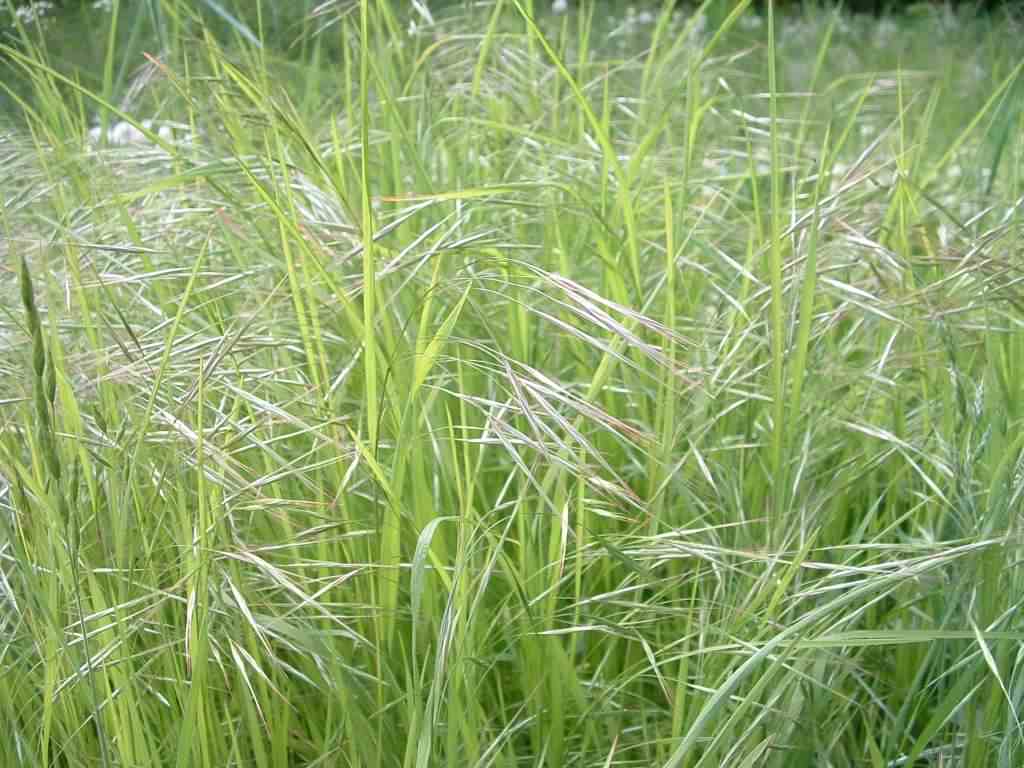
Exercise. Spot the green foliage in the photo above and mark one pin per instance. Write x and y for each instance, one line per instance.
(509, 388)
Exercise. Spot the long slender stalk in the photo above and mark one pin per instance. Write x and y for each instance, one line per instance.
(483, 387)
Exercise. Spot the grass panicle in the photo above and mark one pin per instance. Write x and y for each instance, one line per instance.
(482, 386)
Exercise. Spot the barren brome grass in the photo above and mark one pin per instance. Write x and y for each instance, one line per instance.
(475, 385)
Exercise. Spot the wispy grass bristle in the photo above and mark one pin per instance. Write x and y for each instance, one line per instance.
(483, 386)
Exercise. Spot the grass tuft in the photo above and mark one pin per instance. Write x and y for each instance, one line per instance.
(490, 387)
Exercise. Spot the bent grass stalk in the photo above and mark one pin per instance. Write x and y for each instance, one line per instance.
(449, 414)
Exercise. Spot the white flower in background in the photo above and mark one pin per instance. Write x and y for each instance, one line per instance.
(126, 133)
(123, 133)
(750, 21)
(560, 6)
(33, 13)
(885, 31)
(103, 5)
(635, 18)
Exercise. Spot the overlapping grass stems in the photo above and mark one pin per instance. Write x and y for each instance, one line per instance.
(507, 389)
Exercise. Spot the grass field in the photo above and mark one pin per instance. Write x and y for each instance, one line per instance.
(592, 390)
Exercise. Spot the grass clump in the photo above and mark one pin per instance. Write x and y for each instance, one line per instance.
(496, 388)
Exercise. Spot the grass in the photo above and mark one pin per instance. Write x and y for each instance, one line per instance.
(507, 389)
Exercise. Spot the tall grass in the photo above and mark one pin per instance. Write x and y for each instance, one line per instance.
(495, 389)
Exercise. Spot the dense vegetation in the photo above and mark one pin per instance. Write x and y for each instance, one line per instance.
(472, 389)
(56, 7)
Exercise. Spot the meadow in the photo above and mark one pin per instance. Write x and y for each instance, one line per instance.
(488, 387)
